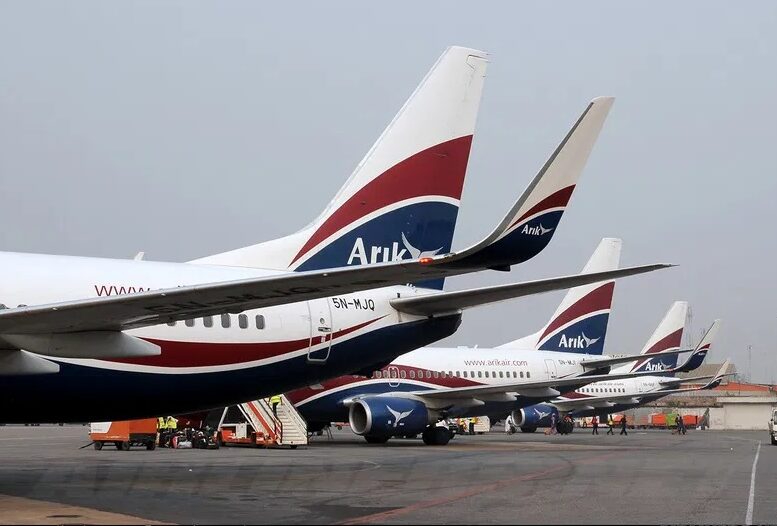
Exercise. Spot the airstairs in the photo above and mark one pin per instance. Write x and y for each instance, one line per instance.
(254, 423)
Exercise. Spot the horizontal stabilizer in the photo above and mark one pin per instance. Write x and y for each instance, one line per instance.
(449, 302)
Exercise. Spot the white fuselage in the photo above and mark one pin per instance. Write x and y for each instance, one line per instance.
(274, 349)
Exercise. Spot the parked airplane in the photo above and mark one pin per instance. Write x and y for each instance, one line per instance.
(613, 396)
(102, 339)
(435, 383)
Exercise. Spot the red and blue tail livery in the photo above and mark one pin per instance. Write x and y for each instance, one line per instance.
(579, 324)
(402, 200)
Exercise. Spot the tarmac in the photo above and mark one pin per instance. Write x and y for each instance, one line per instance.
(646, 477)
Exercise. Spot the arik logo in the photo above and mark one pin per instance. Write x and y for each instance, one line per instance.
(538, 230)
(577, 342)
(364, 255)
(398, 417)
(656, 366)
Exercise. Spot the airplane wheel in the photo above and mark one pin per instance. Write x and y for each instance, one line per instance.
(98, 446)
(436, 436)
(527, 429)
(441, 436)
(125, 446)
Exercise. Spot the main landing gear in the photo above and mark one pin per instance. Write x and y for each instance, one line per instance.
(436, 436)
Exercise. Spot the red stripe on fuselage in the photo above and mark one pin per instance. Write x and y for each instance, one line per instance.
(438, 170)
(596, 300)
(204, 354)
(442, 381)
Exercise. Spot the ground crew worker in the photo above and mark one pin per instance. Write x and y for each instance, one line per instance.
(275, 401)
(472, 425)
(553, 424)
(161, 425)
(172, 423)
(623, 425)
(609, 425)
(595, 424)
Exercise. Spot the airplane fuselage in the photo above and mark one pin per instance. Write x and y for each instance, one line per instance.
(205, 362)
(436, 367)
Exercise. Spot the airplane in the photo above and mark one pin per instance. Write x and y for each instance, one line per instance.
(436, 383)
(91, 339)
(614, 396)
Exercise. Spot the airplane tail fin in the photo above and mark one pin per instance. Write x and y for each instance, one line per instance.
(402, 200)
(667, 337)
(580, 321)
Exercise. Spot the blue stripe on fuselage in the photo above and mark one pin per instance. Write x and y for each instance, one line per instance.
(81, 394)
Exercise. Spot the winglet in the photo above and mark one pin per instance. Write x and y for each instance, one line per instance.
(698, 355)
(719, 376)
(530, 224)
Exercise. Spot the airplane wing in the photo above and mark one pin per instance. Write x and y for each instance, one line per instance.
(598, 363)
(451, 302)
(701, 350)
(547, 194)
(532, 389)
(591, 402)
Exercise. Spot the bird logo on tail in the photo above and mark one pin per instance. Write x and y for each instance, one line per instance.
(416, 253)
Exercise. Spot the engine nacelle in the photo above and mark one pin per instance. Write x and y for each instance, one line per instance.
(387, 417)
(538, 415)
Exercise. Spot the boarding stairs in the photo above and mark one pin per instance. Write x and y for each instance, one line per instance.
(288, 428)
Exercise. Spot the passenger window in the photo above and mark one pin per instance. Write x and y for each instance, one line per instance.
(394, 373)
(457, 374)
(189, 322)
(480, 374)
(376, 374)
(464, 374)
(521, 374)
(242, 321)
(207, 321)
(402, 374)
(436, 374)
(412, 374)
(226, 321)
(450, 373)
(428, 374)
(528, 374)
(501, 374)
(515, 374)
(259, 321)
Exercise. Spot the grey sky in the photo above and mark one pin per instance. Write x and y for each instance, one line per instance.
(185, 129)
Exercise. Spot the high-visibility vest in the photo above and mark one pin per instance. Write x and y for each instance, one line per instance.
(160, 423)
(172, 423)
(275, 399)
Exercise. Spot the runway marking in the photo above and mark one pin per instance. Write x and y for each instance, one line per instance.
(751, 497)
(375, 517)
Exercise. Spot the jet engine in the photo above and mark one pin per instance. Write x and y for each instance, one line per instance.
(379, 418)
(534, 416)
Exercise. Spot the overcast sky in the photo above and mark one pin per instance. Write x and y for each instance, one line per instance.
(189, 128)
